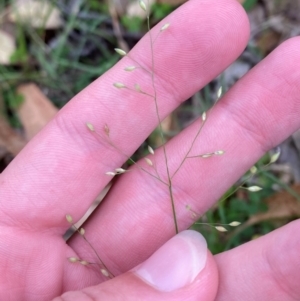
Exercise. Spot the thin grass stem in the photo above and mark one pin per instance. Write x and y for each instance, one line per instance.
(192, 144)
(131, 160)
(160, 126)
(91, 246)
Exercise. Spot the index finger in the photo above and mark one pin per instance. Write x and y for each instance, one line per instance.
(63, 168)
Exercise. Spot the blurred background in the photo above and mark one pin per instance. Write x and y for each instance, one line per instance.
(50, 50)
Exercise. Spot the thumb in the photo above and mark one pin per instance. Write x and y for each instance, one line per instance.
(182, 269)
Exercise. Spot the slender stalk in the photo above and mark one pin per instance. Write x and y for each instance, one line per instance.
(282, 184)
(235, 189)
(141, 92)
(189, 150)
(91, 246)
(192, 144)
(154, 40)
(173, 207)
(132, 161)
(155, 168)
(139, 65)
(160, 127)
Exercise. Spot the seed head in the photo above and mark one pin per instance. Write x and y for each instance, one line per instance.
(234, 224)
(130, 68)
(84, 262)
(254, 188)
(119, 85)
(105, 272)
(206, 155)
(143, 5)
(165, 27)
(120, 170)
(150, 149)
(219, 94)
(149, 162)
(120, 51)
(73, 259)
(274, 157)
(137, 87)
(221, 229)
(253, 169)
(90, 127)
(110, 173)
(219, 152)
(69, 218)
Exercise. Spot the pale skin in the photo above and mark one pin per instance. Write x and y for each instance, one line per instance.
(62, 170)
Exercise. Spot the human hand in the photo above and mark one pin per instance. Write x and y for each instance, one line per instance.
(62, 170)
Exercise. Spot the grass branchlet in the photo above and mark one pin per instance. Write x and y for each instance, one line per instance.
(104, 270)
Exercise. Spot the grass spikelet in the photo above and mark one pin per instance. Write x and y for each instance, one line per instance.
(110, 173)
(143, 5)
(130, 68)
(104, 272)
(253, 188)
(119, 85)
(120, 51)
(90, 127)
(150, 149)
(137, 87)
(73, 259)
(69, 218)
(149, 162)
(221, 228)
(234, 224)
(164, 27)
(275, 157)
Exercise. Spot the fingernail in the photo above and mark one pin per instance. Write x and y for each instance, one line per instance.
(176, 264)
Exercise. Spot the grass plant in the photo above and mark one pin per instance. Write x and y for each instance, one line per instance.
(57, 68)
(150, 167)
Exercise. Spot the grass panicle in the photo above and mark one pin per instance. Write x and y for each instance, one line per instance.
(151, 169)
